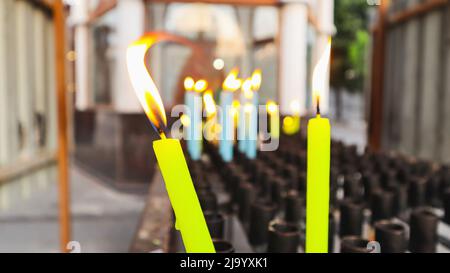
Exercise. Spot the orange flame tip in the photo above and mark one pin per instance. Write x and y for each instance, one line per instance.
(143, 84)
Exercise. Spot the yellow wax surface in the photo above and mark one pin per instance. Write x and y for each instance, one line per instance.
(189, 215)
(318, 185)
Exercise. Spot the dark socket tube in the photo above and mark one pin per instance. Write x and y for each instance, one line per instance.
(417, 192)
(351, 218)
(216, 224)
(262, 213)
(382, 204)
(283, 237)
(294, 207)
(423, 231)
(354, 244)
(222, 246)
(391, 236)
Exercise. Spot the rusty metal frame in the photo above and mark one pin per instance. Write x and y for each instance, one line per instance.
(107, 5)
(63, 137)
(377, 79)
(416, 11)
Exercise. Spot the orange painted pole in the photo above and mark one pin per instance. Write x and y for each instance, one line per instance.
(378, 58)
(63, 150)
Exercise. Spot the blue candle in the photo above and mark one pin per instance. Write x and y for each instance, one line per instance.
(242, 143)
(252, 142)
(189, 102)
(196, 120)
(193, 129)
(231, 84)
(253, 128)
(247, 115)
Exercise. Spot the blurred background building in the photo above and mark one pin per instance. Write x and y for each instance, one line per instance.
(389, 90)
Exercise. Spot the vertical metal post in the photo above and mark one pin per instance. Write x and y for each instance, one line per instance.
(378, 59)
(63, 152)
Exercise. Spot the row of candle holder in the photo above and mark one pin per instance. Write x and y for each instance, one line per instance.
(390, 183)
(275, 182)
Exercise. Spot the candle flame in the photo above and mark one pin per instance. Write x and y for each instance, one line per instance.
(143, 84)
(200, 86)
(189, 83)
(256, 79)
(210, 105)
(247, 88)
(248, 108)
(295, 107)
(231, 82)
(320, 72)
(185, 120)
(272, 107)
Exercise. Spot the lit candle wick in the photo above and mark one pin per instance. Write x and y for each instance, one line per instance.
(318, 106)
(162, 134)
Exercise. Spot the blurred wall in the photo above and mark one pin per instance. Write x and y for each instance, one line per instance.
(416, 112)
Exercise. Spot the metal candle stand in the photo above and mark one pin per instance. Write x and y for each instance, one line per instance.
(260, 203)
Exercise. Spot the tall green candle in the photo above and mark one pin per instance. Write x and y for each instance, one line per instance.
(318, 167)
(190, 220)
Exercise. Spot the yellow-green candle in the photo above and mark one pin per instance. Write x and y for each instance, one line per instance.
(190, 220)
(274, 119)
(318, 168)
(188, 212)
(291, 124)
(318, 185)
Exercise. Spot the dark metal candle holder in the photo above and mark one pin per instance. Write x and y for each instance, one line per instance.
(283, 237)
(417, 192)
(262, 213)
(223, 246)
(295, 205)
(382, 204)
(354, 244)
(391, 236)
(216, 224)
(351, 218)
(423, 231)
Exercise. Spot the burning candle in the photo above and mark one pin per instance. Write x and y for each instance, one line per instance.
(318, 167)
(230, 85)
(189, 216)
(252, 142)
(235, 108)
(242, 124)
(274, 119)
(291, 124)
(196, 119)
(210, 109)
(189, 102)
(246, 112)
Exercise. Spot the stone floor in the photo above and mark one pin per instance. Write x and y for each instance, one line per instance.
(104, 220)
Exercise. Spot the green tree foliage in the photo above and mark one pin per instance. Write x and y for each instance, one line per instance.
(350, 44)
